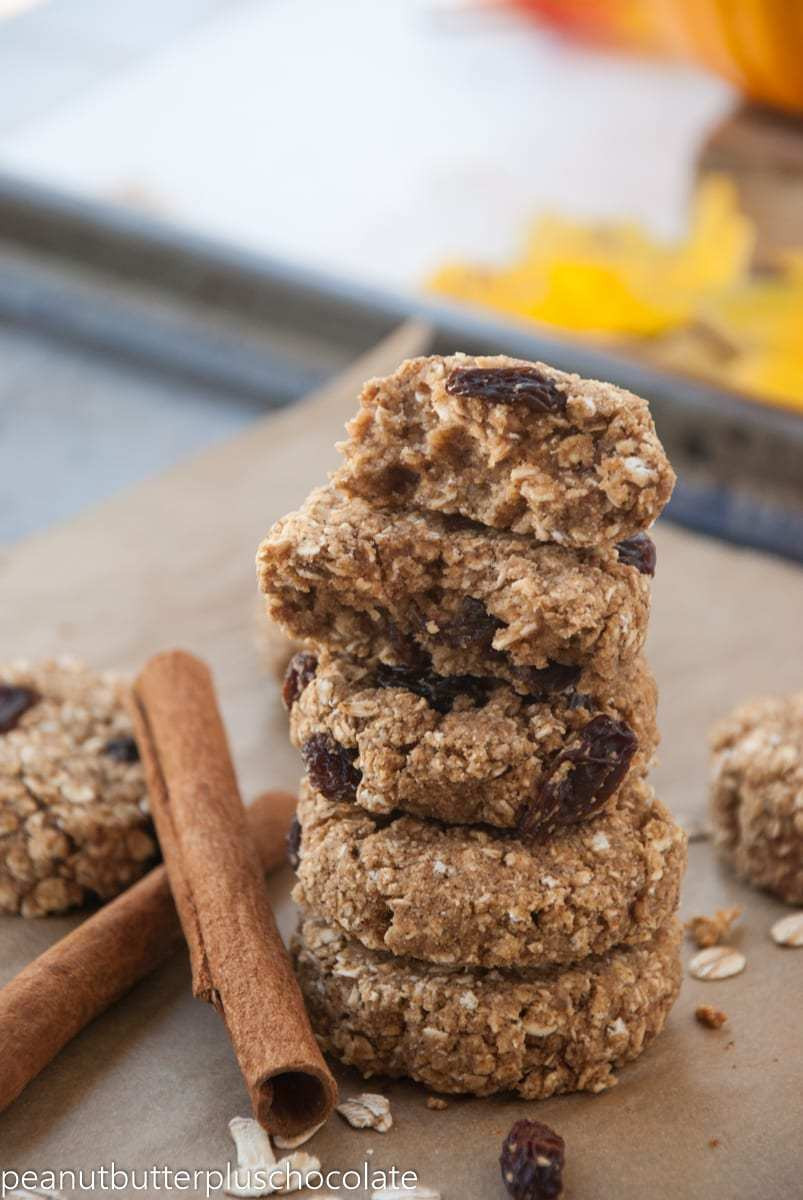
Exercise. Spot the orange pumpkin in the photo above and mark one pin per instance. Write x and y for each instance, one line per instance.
(756, 44)
(615, 22)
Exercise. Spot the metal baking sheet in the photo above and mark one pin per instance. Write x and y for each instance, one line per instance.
(136, 288)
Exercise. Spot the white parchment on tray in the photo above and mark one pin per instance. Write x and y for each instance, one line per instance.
(153, 1083)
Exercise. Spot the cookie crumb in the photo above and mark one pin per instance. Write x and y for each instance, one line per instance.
(713, 1143)
(437, 1103)
(709, 931)
(712, 1018)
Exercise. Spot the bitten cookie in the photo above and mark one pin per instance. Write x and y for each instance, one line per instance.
(538, 1033)
(405, 586)
(757, 793)
(466, 749)
(512, 444)
(73, 802)
(459, 894)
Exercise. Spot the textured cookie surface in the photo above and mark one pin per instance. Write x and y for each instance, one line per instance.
(461, 749)
(73, 802)
(538, 1033)
(511, 444)
(454, 894)
(757, 793)
(402, 586)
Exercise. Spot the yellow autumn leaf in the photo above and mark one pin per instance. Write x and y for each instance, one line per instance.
(776, 374)
(615, 282)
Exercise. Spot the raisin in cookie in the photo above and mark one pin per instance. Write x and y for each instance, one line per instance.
(468, 749)
(73, 802)
(462, 894)
(757, 793)
(537, 1032)
(511, 444)
(406, 586)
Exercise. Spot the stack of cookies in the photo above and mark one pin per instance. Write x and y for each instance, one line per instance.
(488, 882)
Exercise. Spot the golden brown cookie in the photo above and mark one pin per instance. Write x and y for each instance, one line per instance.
(537, 1032)
(74, 822)
(468, 749)
(462, 894)
(511, 444)
(757, 793)
(414, 586)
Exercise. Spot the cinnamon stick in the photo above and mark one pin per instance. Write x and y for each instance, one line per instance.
(80, 976)
(239, 962)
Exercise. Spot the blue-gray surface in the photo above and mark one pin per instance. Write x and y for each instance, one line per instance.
(76, 427)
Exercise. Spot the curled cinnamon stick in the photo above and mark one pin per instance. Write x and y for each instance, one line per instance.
(238, 960)
(79, 977)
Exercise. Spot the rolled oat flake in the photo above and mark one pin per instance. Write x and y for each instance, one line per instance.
(717, 962)
(789, 930)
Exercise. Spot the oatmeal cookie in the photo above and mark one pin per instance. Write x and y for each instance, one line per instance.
(757, 793)
(466, 749)
(536, 1032)
(478, 896)
(74, 822)
(511, 444)
(401, 587)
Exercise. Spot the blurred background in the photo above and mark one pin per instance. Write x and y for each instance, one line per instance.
(207, 207)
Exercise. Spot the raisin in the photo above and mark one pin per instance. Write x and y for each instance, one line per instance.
(532, 1161)
(472, 625)
(294, 843)
(331, 767)
(14, 701)
(639, 552)
(509, 385)
(403, 647)
(581, 777)
(122, 750)
(300, 671)
(439, 691)
(458, 523)
(547, 681)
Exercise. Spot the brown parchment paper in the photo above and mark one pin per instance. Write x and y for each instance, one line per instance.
(171, 561)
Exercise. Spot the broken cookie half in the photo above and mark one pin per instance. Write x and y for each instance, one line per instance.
(511, 444)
